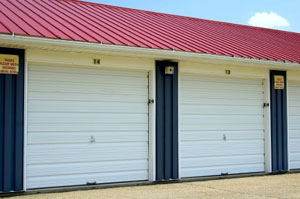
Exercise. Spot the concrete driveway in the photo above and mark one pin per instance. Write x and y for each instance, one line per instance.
(274, 186)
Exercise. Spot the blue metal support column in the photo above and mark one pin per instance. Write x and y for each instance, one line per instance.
(12, 126)
(279, 121)
(166, 121)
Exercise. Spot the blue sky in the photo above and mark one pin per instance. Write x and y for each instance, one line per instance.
(276, 14)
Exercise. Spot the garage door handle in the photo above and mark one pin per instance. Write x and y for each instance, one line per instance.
(92, 139)
(266, 105)
(224, 137)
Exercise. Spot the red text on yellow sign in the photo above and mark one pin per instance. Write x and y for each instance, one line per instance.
(279, 82)
(9, 64)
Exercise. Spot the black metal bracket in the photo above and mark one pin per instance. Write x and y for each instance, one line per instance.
(266, 105)
(151, 101)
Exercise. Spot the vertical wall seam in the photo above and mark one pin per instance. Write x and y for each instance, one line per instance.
(8, 154)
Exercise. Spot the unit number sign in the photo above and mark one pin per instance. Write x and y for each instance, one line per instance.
(279, 82)
(9, 64)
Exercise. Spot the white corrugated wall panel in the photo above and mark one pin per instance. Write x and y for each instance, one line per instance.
(294, 124)
(222, 126)
(86, 126)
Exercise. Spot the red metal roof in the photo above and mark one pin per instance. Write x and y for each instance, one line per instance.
(90, 22)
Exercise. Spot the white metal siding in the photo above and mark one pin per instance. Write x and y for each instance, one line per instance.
(222, 125)
(70, 107)
(294, 125)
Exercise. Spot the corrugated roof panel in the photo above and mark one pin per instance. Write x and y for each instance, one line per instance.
(164, 33)
(71, 28)
(72, 22)
(3, 28)
(52, 23)
(104, 35)
(104, 24)
(10, 25)
(120, 30)
(29, 21)
(16, 18)
(41, 23)
(90, 22)
(127, 26)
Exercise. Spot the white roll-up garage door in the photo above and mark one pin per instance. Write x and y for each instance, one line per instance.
(222, 126)
(294, 124)
(86, 126)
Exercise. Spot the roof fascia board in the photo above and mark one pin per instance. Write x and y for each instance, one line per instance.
(158, 54)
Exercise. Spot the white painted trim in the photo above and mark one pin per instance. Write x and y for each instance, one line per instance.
(293, 75)
(152, 129)
(25, 120)
(86, 47)
(179, 122)
(267, 130)
(67, 59)
(212, 70)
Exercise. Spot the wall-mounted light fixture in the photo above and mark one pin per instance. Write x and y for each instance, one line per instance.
(169, 70)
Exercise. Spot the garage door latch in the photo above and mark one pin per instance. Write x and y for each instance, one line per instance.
(266, 105)
(151, 101)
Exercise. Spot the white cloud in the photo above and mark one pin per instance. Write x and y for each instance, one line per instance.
(268, 20)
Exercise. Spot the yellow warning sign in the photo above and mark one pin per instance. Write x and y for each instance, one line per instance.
(279, 82)
(9, 64)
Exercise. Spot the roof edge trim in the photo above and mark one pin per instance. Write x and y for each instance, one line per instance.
(99, 48)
